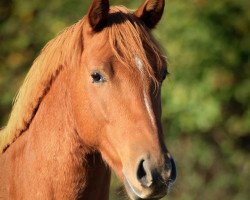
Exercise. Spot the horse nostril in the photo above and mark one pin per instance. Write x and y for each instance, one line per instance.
(173, 171)
(141, 171)
(143, 174)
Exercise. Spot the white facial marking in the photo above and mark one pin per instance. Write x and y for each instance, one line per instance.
(148, 108)
(140, 66)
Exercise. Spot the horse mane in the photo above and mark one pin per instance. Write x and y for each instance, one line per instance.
(60, 52)
(127, 37)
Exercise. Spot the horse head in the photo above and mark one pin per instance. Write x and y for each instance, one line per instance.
(116, 96)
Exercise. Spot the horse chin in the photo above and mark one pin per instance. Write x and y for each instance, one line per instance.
(135, 195)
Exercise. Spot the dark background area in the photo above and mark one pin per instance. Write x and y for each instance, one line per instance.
(206, 99)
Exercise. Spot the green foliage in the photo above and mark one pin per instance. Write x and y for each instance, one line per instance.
(206, 99)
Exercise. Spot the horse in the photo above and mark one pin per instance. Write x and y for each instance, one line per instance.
(91, 103)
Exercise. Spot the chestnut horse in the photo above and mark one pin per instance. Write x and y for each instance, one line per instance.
(91, 103)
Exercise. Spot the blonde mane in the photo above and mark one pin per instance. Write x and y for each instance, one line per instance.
(127, 37)
(57, 54)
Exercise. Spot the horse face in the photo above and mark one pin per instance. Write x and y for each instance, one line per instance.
(118, 111)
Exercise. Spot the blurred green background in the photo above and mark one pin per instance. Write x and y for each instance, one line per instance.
(206, 99)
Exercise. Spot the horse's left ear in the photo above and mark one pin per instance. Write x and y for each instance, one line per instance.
(98, 14)
(150, 12)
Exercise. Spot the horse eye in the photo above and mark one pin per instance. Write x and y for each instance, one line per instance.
(97, 78)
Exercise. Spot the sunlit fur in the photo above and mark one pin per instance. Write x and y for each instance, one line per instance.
(63, 51)
(124, 33)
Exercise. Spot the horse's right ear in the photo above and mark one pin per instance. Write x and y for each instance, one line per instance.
(98, 14)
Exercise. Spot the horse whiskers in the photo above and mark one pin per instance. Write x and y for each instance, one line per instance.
(169, 183)
(122, 193)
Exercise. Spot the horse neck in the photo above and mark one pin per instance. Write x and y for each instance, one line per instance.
(52, 137)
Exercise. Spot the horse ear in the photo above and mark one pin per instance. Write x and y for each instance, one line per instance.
(98, 13)
(150, 12)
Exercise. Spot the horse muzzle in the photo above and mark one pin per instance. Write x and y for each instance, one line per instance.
(151, 182)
